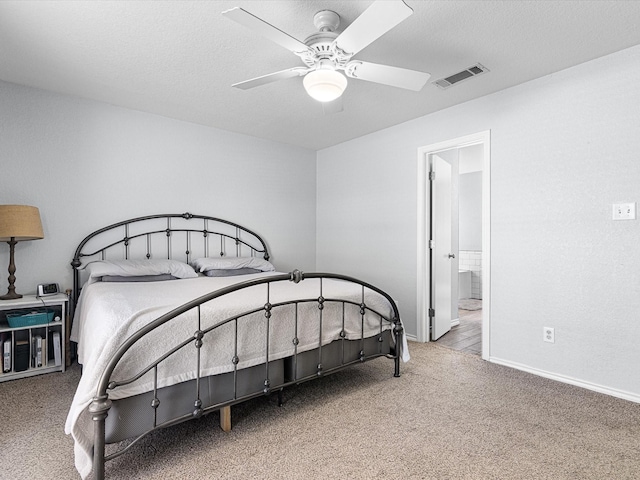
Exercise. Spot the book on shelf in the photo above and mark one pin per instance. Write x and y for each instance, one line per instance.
(21, 355)
(57, 353)
(36, 351)
(6, 353)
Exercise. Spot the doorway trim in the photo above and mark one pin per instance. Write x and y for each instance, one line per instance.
(423, 291)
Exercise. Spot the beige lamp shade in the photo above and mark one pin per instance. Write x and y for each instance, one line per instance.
(21, 222)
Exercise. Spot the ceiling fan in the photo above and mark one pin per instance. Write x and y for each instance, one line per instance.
(326, 52)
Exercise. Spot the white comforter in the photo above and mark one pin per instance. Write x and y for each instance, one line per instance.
(108, 313)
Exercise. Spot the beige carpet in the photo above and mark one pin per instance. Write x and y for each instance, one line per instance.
(450, 416)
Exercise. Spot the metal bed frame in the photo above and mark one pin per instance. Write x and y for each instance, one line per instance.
(301, 367)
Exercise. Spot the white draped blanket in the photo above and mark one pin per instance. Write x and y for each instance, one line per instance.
(108, 313)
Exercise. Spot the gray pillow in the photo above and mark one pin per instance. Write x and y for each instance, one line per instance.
(230, 272)
(138, 278)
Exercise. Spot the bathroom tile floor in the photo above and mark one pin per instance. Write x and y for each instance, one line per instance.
(466, 337)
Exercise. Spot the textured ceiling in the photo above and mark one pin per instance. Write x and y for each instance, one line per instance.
(179, 58)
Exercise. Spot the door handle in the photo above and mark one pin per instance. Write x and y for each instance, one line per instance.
(452, 255)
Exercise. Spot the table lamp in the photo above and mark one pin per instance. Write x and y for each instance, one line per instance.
(18, 223)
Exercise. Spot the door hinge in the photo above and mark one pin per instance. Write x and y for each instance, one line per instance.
(432, 244)
(432, 312)
(432, 176)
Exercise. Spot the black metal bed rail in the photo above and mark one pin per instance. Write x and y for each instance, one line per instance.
(217, 406)
(101, 404)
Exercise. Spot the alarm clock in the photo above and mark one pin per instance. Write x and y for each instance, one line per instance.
(46, 289)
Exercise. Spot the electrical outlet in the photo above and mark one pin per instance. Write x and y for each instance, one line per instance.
(624, 211)
(548, 334)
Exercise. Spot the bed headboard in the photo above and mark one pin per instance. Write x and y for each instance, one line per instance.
(180, 236)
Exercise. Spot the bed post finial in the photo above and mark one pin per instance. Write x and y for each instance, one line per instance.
(296, 276)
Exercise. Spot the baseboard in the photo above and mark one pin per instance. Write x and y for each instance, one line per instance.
(632, 397)
(414, 338)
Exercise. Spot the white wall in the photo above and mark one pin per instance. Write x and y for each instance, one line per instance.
(564, 148)
(86, 164)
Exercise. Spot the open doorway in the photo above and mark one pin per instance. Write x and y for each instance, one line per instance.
(465, 333)
(454, 270)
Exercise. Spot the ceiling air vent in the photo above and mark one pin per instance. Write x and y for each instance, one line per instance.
(473, 71)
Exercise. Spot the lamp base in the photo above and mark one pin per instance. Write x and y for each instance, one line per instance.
(12, 295)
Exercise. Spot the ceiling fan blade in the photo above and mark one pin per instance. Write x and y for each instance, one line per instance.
(271, 77)
(387, 75)
(265, 29)
(374, 22)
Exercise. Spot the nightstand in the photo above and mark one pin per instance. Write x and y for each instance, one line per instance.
(33, 336)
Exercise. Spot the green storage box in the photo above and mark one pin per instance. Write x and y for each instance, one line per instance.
(28, 318)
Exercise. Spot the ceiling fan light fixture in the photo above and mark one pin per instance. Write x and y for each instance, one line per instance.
(324, 85)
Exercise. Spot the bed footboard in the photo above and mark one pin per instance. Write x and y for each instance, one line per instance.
(218, 392)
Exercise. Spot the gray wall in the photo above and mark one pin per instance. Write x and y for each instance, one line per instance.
(86, 164)
(563, 149)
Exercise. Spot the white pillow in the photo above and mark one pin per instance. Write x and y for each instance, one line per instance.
(137, 268)
(231, 263)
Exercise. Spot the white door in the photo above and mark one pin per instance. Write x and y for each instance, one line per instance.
(442, 251)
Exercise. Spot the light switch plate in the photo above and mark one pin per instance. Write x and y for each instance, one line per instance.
(624, 211)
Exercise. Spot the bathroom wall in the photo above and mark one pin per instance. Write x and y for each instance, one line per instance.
(470, 215)
(472, 260)
(470, 210)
